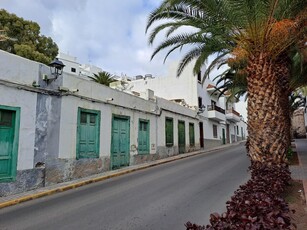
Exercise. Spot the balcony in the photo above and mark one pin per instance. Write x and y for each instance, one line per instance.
(232, 115)
(216, 113)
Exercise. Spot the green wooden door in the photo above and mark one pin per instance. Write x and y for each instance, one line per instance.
(191, 134)
(224, 137)
(88, 134)
(181, 136)
(8, 143)
(120, 151)
(143, 137)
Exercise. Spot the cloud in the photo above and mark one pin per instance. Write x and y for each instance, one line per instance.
(109, 34)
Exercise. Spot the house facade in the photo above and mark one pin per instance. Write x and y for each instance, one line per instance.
(55, 130)
(219, 122)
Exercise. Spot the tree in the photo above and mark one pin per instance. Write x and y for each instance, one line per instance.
(254, 35)
(25, 39)
(104, 78)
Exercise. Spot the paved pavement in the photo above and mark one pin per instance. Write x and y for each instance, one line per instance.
(299, 172)
(45, 191)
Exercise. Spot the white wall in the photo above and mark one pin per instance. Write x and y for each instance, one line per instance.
(27, 103)
(171, 86)
(69, 62)
(18, 69)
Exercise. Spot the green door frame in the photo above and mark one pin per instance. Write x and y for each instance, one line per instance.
(114, 116)
(147, 136)
(97, 131)
(16, 125)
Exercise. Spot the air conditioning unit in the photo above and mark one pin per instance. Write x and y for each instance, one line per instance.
(138, 77)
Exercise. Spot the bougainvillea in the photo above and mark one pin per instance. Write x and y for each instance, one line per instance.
(256, 204)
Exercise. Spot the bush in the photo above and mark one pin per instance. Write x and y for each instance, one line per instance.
(256, 204)
(290, 154)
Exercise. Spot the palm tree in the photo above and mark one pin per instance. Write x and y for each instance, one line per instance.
(104, 78)
(254, 35)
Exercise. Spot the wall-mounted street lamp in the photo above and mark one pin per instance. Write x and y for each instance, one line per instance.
(56, 70)
(201, 109)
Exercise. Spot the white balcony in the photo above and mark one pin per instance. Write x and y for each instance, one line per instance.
(232, 115)
(216, 113)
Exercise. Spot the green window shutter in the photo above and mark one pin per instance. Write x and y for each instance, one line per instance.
(181, 136)
(169, 131)
(88, 135)
(192, 134)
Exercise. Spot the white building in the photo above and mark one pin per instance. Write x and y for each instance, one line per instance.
(55, 130)
(72, 66)
(219, 121)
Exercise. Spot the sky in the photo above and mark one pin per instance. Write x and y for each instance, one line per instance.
(109, 34)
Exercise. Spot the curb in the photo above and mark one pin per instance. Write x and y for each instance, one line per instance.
(304, 181)
(111, 175)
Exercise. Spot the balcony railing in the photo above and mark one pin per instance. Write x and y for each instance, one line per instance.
(233, 111)
(216, 108)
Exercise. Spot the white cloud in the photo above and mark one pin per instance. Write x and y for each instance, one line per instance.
(109, 34)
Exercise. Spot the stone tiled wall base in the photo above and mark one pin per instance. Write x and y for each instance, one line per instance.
(25, 180)
(164, 152)
(139, 159)
(61, 170)
(209, 143)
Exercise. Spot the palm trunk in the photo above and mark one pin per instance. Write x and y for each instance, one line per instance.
(268, 114)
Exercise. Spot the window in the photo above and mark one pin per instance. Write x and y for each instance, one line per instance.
(237, 130)
(200, 102)
(191, 134)
(169, 131)
(6, 118)
(199, 76)
(215, 131)
(73, 70)
(88, 133)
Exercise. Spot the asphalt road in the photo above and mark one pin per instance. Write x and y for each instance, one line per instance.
(162, 197)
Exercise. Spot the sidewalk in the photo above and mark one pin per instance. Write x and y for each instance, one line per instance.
(61, 187)
(300, 172)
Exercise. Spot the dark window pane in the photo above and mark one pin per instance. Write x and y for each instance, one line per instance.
(145, 126)
(6, 117)
(92, 118)
(83, 118)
